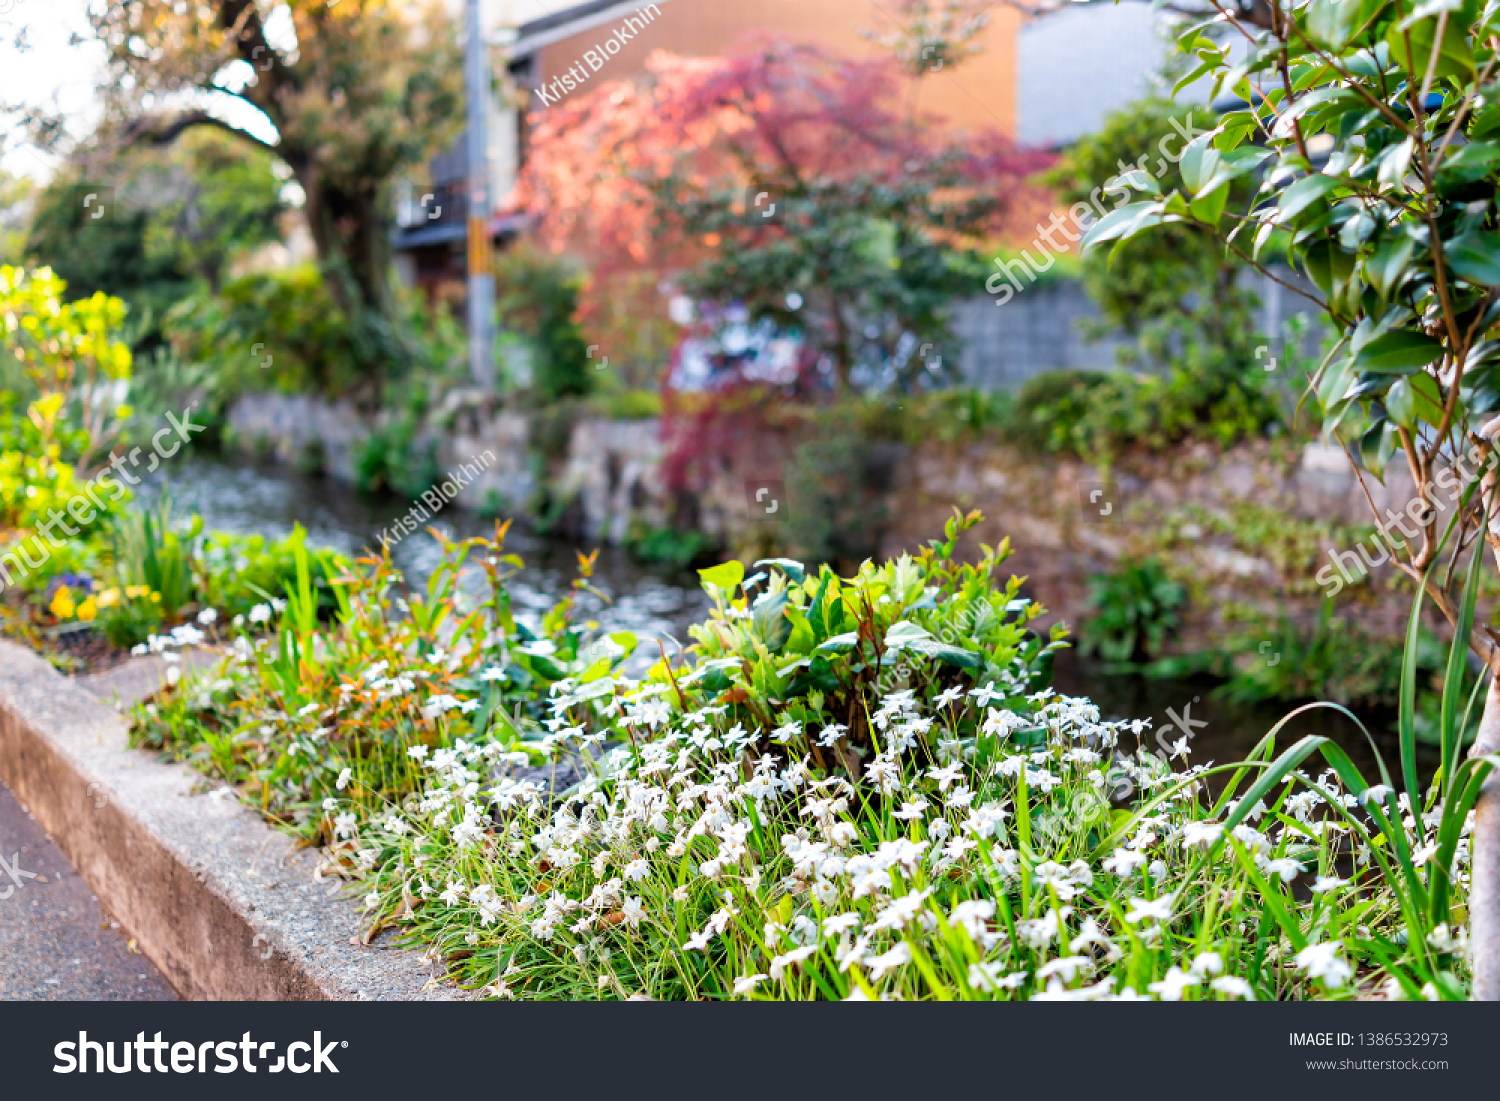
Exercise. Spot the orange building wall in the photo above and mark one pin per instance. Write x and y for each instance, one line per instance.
(978, 93)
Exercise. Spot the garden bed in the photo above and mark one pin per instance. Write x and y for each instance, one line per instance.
(225, 906)
(850, 788)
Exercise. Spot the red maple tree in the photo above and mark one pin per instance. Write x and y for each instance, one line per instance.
(647, 185)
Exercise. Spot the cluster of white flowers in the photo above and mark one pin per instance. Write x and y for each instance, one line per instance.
(919, 841)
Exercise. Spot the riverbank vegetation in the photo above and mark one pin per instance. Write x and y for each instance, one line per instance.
(819, 799)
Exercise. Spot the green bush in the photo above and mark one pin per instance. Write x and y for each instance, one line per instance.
(1180, 293)
(395, 459)
(276, 329)
(1133, 612)
(667, 546)
(150, 550)
(538, 296)
(627, 405)
(1332, 659)
(234, 573)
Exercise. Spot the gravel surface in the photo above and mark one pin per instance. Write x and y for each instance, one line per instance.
(57, 943)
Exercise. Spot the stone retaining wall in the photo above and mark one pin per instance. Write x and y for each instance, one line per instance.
(610, 479)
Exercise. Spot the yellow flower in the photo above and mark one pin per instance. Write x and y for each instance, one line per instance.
(62, 604)
(88, 610)
(156, 598)
(109, 598)
(133, 591)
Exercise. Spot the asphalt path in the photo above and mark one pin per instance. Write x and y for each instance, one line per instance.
(57, 943)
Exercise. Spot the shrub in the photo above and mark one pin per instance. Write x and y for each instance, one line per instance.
(1134, 610)
(627, 405)
(667, 546)
(1333, 659)
(393, 457)
(277, 329)
(539, 296)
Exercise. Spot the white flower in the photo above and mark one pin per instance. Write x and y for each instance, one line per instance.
(343, 826)
(948, 775)
(261, 613)
(1170, 988)
(786, 732)
(1158, 909)
(698, 941)
(1329, 883)
(1286, 867)
(344, 778)
(796, 955)
(634, 910)
(947, 696)
(984, 694)
(1444, 940)
(207, 616)
(1067, 967)
(1124, 862)
(1206, 964)
(911, 809)
(1234, 986)
(901, 911)
(986, 976)
(747, 983)
(1321, 961)
(1201, 833)
(636, 870)
(417, 751)
(494, 672)
(898, 956)
(839, 924)
(440, 703)
(372, 900)
(831, 733)
(1089, 936)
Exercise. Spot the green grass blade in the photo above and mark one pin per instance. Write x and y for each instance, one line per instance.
(1468, 778)
(1406, 714)
(1277, 772)
(1458, 652)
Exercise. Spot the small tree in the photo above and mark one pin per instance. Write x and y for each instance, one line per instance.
(784, 178)
(356, 92)
(1375, 128)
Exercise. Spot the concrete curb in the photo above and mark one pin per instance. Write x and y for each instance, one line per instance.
(223, 904)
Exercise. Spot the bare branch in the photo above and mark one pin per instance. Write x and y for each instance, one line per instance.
(158, 131)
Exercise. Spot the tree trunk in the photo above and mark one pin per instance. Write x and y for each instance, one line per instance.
(351, 235)
(1484, 882)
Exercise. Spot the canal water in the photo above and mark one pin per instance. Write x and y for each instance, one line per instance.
(661, 603)
(248, 499)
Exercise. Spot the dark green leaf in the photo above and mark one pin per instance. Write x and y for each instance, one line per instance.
(1475, 257)
(1303, 193)
(1402, 350)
